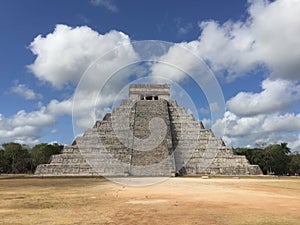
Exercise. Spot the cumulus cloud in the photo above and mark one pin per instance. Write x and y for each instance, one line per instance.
(182, 60)
(25, 92)
(108, 4)
(84, 57)
(177, 63)
(25, 127)
(28, 127)
(279, 123)
(275, 28)
(268, 37)
(277, 95)
(239, 126)
(34, 118)
(58, 108)
(18, 132)
(64, 55)
(226, 48)
(242, 131)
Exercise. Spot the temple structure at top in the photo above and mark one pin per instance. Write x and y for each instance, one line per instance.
(149, 92)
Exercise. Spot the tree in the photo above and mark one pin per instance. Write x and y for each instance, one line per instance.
(16, 158)
(294, 164)
(272, 159)
(254, 156)
(4, 164)
(41, 153)
(278, 158)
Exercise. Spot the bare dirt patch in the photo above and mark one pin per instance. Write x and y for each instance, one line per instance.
(176, 201)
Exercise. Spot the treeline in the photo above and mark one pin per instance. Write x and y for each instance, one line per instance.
(273, 159)
(17, 158)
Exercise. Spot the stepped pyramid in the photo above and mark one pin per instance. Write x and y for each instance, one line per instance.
(147, 135)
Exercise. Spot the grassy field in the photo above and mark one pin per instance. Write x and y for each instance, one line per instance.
(176, 201)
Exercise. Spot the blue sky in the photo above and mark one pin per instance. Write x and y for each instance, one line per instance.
(250, 47)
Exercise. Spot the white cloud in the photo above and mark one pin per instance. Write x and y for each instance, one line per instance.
(85, 110)
(262, 117)
(277, 95)
(275, 28)
(286, 122)
(18, 132)
(242, 131)
(28, 127)
(34, 118)
(179, 62)
(64, 55)
(269, 37)
(25, 127)
(69, 55)
(237, 126)
(31, 141)
(24, 91)
(60, 108)
(227, 47)
(108, 4)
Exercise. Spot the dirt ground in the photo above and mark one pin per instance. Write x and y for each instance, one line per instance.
(175, 201)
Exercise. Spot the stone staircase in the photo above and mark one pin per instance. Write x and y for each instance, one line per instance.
(157, 161)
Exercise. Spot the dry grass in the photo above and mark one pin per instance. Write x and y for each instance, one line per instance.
(176, 201)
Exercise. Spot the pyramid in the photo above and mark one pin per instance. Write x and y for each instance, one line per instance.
(147, 135)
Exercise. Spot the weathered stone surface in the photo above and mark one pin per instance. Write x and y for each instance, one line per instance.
(113, 146)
